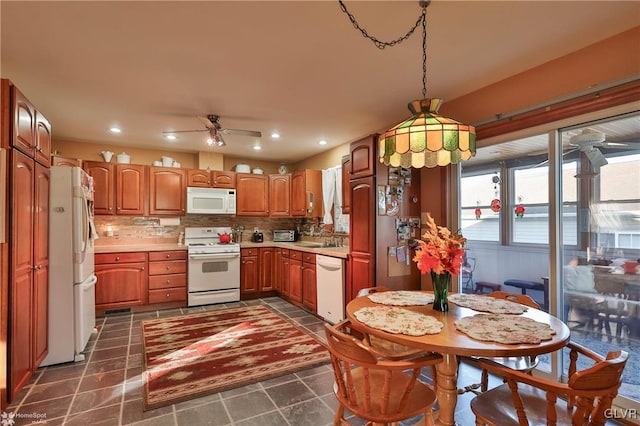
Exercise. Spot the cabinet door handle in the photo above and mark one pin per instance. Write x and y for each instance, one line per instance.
(168, 256)
(117, 258)
(109, 208)
(37, 267)
(168, 295)
(168, 268)
(142, 269)
(168, 281)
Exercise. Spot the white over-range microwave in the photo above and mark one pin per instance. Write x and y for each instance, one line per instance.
(211, 200)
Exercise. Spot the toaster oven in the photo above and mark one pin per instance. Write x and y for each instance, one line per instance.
(284, 235)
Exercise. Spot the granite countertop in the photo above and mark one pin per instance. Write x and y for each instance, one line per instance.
(342, 252)
(128, 247)
(124, 246)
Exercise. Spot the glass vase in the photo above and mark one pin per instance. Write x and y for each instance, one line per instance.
(440, 291)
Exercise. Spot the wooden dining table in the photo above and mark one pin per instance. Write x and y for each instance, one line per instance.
(452, 343)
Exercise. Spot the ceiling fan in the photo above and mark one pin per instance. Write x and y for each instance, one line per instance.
(589, 142)
(212, 124)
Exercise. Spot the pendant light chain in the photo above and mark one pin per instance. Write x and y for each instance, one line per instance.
(424, 48)
(382, 44)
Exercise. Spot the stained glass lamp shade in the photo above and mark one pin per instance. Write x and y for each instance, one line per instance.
(427, 139)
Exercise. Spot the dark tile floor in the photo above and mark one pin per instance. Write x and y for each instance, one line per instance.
(106, 388)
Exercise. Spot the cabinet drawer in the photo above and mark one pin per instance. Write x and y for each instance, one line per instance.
(167, 255)
(168, 295)
(309, 257)
(167, 267)
(285, 253)
(167, 281)
(249, 252)
(295, 254)
(120, 257)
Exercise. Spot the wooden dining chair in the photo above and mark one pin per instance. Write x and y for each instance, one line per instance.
(528, 400)
(376, 389)
(520, 363)
(385, 348)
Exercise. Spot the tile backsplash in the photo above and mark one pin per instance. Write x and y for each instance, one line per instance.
(148, 227)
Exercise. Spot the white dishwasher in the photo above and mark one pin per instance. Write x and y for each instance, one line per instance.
(330, 284)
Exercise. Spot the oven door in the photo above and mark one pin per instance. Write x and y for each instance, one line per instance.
(214, 271)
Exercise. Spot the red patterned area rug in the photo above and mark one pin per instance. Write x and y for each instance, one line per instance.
(198, 354)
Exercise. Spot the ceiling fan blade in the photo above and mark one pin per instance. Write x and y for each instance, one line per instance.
(620, 145)
(253, 133)
(184, 131)
(207, 122)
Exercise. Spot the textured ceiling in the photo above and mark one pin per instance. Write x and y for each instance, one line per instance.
(299, 68)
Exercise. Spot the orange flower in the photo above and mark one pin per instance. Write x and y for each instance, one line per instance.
(440, 250)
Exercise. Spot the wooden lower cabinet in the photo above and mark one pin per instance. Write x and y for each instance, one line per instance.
(283, 272)
(295, 277)
(257, 272)
(309, 284)
(267, 271)
(122, 280)
(167, 276)
(249, 273)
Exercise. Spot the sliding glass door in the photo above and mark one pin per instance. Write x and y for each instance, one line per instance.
(515, 198)
(601, 280)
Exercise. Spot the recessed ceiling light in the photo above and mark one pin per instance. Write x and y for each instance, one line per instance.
(275, 135)
(171, 137)
(115, 130)
(257, 147)
(322, 142)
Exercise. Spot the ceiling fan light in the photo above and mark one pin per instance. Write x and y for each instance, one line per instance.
(218, 140)
(596, 157)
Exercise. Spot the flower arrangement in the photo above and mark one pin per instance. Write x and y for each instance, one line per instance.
(440, 251)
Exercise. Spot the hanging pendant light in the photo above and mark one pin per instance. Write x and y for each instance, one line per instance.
(427, 139)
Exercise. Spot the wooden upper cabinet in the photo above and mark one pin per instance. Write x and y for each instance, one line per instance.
(24, 120)
(211, 179)
(32, 131)
(199, 178)
(280, 195)
(363, 157)
(43, 140)
(130, 189)
(306, 193)
(167, 191)
(346, 189)
(223, 179)
(103, 186)
(252, 195)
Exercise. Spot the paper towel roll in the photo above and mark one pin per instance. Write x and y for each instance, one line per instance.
(169, 221)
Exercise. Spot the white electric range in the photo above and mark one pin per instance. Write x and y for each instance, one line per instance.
(214, 267)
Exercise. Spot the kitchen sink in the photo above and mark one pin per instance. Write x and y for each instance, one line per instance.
(309, 244)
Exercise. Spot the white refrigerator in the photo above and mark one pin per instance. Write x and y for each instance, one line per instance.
(71, 250)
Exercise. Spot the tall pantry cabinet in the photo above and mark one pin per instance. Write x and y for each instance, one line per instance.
(24, 245)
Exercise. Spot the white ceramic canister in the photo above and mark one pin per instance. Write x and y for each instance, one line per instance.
(243, 168)
(123, 158)
(157, 163)
(258, 171)
(167, 161)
